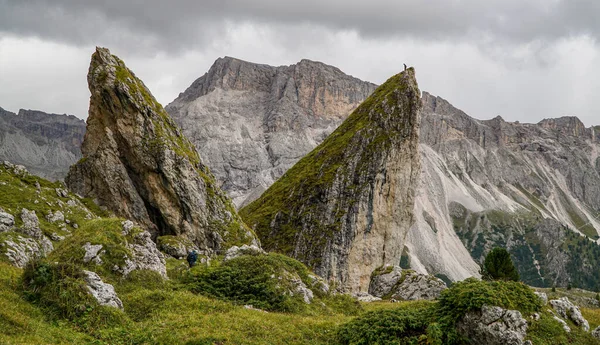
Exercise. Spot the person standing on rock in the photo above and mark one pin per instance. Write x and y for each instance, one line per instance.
(192, 258)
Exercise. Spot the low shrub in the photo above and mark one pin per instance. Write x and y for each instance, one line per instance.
(60, 289)
(264, 281)
(398, 326)
(435, 322)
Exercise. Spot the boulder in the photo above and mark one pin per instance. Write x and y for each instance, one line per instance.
(55, 217)
(396, 283)
(596, 333)
(92, 252)
(145, 255)
(494, 326)
(563, 323)
(245, 249)
(177, 247)
(543, 297)
(299, 288)
(104, 293)
(7, 221)
(20, 249)
(568, 310)
(31, 224)
(365, 297)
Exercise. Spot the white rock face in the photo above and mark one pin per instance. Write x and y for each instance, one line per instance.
(596, 333)
(566, 309)
(104, 293)
(494, 326)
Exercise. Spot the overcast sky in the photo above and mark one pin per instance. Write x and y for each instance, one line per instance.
(523, 60)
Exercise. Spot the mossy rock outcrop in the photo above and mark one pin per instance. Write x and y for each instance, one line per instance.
(137, 163)
(345, 208)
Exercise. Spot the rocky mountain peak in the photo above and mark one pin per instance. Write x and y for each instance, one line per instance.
(346, 207)
(251, 122)
(569, 125)
(137, 163)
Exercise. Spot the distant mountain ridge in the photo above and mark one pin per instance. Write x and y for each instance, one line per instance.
(47, 144)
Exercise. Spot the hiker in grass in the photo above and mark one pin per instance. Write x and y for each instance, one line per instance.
(192, 258)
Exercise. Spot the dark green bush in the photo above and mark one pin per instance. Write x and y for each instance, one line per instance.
(59, 288)
(262, 281)
(400, 326)
(471, 294)
(499, 266)
(435, 323)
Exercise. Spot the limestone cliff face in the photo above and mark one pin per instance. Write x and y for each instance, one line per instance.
(138, 164)
(46, 144)
(345, 208)
(532, 188)
(252, 122)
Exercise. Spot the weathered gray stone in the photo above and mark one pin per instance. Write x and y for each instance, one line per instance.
(563, 323)
(31, 224)
(7, 221)
(365, 297)
(566, 309)
(299, 288)
(383, 282)
(92, 252)
(543, 297)
(245, 249)
(20, 249)
(62, 193)
(596, 333)
(145, 255)
(103, 292)
(55, 217)
(127, 227)
(405, 284)
(494, 326)
(177, 247)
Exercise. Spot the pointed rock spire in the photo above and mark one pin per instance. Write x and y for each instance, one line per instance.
(137, 163)
(345, 208)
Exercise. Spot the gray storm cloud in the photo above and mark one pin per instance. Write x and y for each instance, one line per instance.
(523, 60)
(171, 26)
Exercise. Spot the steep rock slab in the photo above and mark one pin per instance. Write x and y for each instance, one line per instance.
(137, 163)
(345, 208)
(252, 122)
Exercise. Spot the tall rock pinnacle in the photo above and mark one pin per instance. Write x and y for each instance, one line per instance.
(345, 209)
(137, 163)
